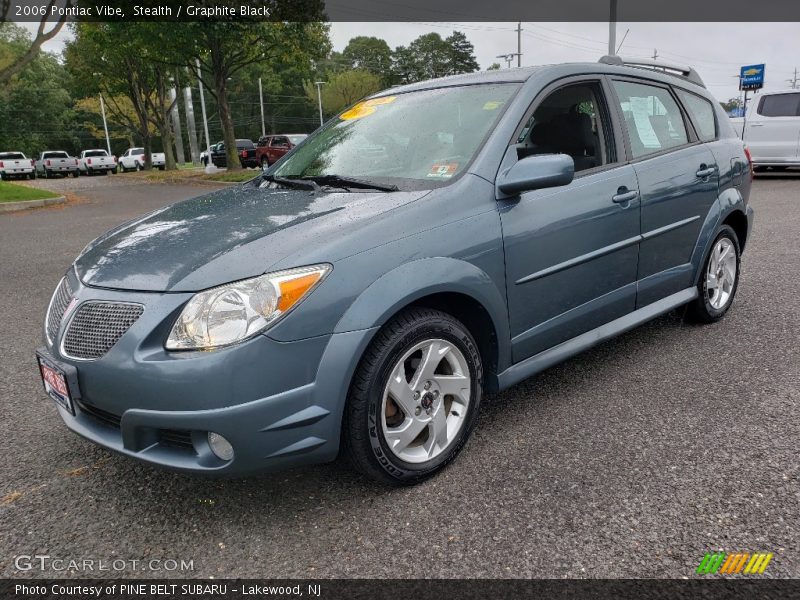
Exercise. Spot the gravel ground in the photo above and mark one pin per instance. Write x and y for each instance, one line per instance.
(631, 460)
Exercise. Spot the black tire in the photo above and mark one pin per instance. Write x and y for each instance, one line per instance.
(32, 175)
(701, 310)
(3, 177)
(264, 162)
(162, 167)
(76, 173)
(47, 174)
(138, 166)
(364, 443)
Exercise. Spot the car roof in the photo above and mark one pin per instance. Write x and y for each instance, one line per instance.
(549, 72)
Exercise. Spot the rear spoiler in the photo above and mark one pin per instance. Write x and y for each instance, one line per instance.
(687, 73)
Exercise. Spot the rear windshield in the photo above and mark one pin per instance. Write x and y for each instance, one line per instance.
(137, 150)
(96, 153)
(245, 144)
(12, 155)
(55, 155)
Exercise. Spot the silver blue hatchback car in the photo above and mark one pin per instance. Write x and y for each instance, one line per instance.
(431, 243)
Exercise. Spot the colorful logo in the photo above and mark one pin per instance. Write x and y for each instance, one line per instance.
(731, 563)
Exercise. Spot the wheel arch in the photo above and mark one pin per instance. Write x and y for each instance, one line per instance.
(453, 286)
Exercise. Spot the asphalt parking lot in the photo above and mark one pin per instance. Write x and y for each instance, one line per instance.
(631, 460)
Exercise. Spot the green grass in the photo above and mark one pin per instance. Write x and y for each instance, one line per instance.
(234, 176)
(11, 192)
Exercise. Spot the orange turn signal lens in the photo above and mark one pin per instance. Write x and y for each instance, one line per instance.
(294, 289)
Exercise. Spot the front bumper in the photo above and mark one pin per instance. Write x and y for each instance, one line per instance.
(279, 404)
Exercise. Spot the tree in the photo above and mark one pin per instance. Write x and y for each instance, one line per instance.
(460, 54)
(118, 59)
(225, 48)
(370, 54)
(430, 56)
(732, 104)
(343, 90)
(30, 50)
(493, 67)
(35, 104)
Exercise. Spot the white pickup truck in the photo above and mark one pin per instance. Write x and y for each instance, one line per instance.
(772, 129)
(53, 162)
(16, 164)
(133, 160)
(96, 161)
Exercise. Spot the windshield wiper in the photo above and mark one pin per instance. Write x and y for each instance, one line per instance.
(348, 182)
(303, 184)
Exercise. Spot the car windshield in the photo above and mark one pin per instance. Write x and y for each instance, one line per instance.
(95, 153)
(12, 155)
(417, 139)
(296, 139)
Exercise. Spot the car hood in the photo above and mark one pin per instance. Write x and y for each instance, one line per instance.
(232, 234)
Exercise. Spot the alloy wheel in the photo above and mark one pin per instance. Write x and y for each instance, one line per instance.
(425, 401)
(721, 273)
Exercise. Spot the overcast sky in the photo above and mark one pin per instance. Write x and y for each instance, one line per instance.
(716, 50)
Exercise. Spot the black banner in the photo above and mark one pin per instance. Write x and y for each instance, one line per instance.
(401, 10)
(438, 589)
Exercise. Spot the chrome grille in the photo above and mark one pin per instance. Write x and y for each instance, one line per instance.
(97, 326)
(58, 304)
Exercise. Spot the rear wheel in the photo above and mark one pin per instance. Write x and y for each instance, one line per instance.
(76, 173)
(719, 280)
(264, 162)
(32, 175)
(414, 398)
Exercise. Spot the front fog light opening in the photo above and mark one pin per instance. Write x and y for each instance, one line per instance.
(221, 447)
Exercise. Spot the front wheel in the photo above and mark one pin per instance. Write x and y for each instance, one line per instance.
(719, 279)
(414, 398)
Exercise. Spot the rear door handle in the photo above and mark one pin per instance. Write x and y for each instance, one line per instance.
(756, 124)
(623, 196)
(706, 171)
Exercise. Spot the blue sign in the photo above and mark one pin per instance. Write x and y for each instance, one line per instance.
(751, 77)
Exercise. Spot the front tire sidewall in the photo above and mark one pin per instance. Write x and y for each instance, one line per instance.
(707, 312)
(395, 470)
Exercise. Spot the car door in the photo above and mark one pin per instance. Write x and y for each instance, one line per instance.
(773, 131)
(571, 252)
(678, 180)
(279, 147)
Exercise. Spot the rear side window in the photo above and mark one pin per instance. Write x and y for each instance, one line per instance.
(701, 112)
(780, 105)
(652, 117)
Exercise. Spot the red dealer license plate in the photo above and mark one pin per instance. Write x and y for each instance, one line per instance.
(55, 383)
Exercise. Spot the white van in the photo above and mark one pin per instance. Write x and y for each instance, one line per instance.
(772, 129)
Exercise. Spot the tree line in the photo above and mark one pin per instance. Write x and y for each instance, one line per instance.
(140, 70)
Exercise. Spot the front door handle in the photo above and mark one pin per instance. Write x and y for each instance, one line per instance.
(706, 171)
(756, 124)
(623, 195)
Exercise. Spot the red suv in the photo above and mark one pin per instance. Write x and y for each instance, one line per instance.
(271, 147)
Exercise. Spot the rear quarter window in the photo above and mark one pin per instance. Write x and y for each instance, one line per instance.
(701, 112)
(780, 105)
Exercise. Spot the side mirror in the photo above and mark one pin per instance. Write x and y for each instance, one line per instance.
(536, 172)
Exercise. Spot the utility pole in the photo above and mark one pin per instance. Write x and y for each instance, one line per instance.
(261, 103)
(203, 106)
(191, 126)
(519, 43)
(508, 58)
(793, 80)
(175, 115)
(655, 54)
(105, 124)
(319, 100)
(612, 29)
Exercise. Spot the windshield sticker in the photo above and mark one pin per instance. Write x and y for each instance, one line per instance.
(492, 105)
(443, 170)
(363, 109)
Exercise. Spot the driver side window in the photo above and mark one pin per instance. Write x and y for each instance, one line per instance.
(572, 120)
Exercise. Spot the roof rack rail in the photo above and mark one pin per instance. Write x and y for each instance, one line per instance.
(687, 73)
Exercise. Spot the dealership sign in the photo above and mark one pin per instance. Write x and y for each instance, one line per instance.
(751, 77)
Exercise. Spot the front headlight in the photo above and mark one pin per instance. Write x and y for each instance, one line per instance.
(237, 311)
